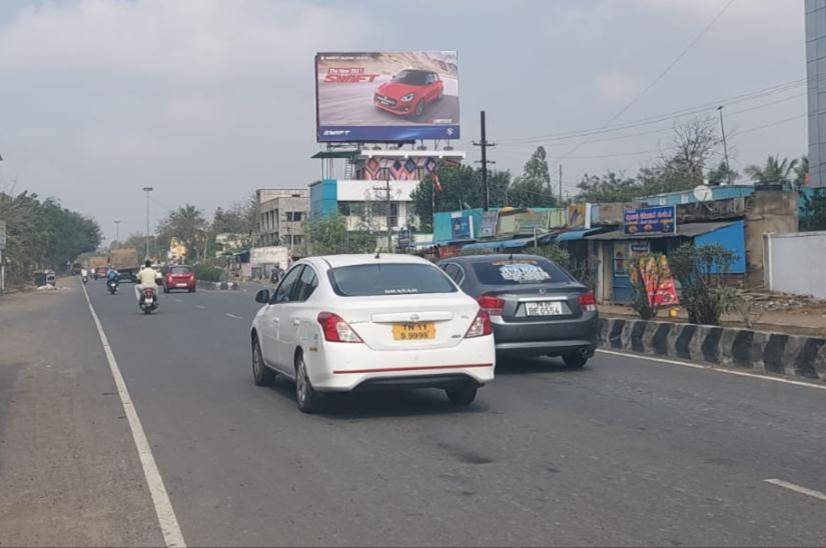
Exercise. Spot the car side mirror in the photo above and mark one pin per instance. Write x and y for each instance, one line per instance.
(263, 296)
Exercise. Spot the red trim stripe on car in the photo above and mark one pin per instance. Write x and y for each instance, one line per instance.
(416, 368)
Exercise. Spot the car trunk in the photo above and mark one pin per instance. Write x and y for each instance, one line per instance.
(412, 322)
(183, 278)
(532, 302)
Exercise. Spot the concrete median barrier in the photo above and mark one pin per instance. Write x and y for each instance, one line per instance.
(755, 351)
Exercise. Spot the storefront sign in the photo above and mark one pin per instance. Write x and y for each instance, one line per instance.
(650, 220)
(640, 248)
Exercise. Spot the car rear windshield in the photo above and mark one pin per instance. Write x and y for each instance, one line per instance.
(519, 271)
(412, 77)
(389, 279)
(179, 270)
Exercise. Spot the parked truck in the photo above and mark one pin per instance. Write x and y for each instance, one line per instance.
(126, 262)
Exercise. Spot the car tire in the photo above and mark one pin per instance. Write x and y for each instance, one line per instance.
(305, 396)
(419, 108)
(574, 361)
(192, 290)
(463, 395)
(261, 374)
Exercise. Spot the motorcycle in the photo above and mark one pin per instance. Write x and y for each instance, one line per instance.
(84, 279)
(112, 285)
(149, 300)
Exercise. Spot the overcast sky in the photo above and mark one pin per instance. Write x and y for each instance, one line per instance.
(206, 100)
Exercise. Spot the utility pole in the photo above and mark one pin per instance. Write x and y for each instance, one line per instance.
(725, 148)
(147, 189)
(387, 196)
(484, 144)
(117, 231)
(560, 185)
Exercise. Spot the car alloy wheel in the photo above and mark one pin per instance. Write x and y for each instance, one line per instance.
(305, 396)
(261, 374)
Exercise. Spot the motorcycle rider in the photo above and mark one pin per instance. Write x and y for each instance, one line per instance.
(112, 276)
(146, 278)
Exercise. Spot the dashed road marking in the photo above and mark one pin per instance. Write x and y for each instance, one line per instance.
(234, 316)
(797, 488)
(170, 529)
(202, 307)
(711, 368)
(178, 301)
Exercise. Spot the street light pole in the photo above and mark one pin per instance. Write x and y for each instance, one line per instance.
(147, 189)
(725, 148)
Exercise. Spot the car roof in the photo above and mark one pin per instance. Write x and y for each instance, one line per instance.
(492, 257)
(335, 261)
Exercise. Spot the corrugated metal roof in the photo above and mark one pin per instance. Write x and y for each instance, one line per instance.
(688, 230)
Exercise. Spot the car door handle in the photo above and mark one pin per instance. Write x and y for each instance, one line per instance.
(296, 322)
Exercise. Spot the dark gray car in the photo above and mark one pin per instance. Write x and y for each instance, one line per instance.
(536, 307)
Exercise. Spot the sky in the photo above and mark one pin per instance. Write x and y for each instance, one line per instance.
(207, 100)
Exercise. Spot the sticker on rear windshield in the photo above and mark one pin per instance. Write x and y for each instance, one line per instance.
(522, 272)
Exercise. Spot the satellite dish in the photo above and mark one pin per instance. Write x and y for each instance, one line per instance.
(703, 193)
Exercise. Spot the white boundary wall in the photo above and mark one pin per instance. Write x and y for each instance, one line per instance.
(795, 263)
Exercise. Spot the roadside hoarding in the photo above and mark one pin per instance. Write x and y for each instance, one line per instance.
(488, 227)
(650, 220)
(461, 228)
(387, 96)
(579, 215)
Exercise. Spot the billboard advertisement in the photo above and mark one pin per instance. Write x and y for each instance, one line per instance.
(386, 96)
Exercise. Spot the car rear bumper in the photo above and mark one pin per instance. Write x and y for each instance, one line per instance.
(552, 338)
(335, 367)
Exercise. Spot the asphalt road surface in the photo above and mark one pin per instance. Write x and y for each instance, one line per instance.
(353, 104)
(624, 452)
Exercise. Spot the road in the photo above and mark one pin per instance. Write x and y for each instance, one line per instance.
(624, 452)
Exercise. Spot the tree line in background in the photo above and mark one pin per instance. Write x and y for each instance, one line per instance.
(42, 234)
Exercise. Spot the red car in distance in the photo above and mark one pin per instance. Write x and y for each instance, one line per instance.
(409, 92)
(179, 277)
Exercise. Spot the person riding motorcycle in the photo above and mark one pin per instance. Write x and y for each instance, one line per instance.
(146, 278)
(112, 276)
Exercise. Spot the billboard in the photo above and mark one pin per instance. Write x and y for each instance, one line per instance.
(386, 96)
(461, 228)
(650, 220)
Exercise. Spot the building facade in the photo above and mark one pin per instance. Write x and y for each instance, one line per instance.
(283, 219)
(816, 89)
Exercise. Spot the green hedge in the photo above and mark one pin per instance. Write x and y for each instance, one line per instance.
(208, 273)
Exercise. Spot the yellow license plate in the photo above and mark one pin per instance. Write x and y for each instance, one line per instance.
(414, 331)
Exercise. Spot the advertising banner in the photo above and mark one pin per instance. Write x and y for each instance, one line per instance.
(488, 228)
(658, 280)
(461, 228)
(650, 220)
(579, 215)
(404, 238)
(387, 96)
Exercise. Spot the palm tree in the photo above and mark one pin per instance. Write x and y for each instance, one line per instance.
(774, 171)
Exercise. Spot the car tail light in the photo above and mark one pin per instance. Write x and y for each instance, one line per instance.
(587, 302)
(491, 304)
(337, 330)
(480, 326)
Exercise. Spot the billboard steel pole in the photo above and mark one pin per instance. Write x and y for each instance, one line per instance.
(483, 143)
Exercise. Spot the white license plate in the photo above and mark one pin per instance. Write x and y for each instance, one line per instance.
(543, 308)
(180, 285)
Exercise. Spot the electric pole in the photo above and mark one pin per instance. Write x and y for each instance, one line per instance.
(117, 231)
(560, 185)
(387, 196)
(147, 189)
(725, 148)
(484, 144)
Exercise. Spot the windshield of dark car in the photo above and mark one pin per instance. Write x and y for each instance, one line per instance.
(389, 279)
(179, 270)
(519, 271)
(411, 77)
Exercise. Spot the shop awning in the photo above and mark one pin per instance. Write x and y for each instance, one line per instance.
(572, 235)
(688, 230)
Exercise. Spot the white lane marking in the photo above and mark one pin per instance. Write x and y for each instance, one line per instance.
(234, 316)
(202, 307)
(170, 529)
(797, 488)
(712, 368)
(178, 301)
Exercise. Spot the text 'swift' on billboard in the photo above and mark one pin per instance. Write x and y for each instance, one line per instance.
(383, 96)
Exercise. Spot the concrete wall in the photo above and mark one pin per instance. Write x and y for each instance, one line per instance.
(796, 263)
(766, 211)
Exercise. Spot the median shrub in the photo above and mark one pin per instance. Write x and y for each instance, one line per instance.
(208, 273)
(702, 272)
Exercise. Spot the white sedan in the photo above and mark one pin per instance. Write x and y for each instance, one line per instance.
(358, 322)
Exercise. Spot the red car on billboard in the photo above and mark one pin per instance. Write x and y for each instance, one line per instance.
(409, 92)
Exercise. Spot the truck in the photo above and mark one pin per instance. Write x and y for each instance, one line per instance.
(97, 266)
(126, 262)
